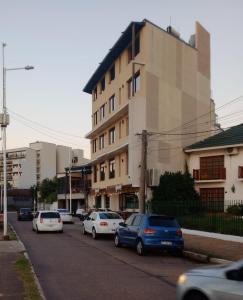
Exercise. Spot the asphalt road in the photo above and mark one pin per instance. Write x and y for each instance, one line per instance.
(71, 266)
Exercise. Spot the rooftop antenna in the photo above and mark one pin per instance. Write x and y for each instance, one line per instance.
(170, 20)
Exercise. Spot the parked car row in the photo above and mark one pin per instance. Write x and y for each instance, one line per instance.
(141, 231)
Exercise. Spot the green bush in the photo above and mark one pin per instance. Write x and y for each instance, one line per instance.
(236, 210)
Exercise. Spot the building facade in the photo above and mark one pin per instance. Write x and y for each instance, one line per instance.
(21, 168)
(150, 80)
(216, 164)
(28, 166)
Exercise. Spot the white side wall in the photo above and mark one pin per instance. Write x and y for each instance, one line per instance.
(231, 163)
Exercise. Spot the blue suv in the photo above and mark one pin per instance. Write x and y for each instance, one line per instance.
(146, 231)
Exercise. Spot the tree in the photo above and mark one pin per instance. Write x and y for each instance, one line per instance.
(48, 190)
(175, 194)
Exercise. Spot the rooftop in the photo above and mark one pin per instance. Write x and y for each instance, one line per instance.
(121, 44)
(232, 136)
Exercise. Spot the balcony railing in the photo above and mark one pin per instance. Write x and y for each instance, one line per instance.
(209, 174)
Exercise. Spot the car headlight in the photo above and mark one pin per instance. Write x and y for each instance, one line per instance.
(182, 279)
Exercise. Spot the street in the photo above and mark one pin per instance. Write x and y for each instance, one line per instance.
(73, 266)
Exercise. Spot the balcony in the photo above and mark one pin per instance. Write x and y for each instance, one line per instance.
(210, 175)
(108, 121)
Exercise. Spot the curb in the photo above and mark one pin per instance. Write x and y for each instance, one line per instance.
(204, 258)
(31, 266)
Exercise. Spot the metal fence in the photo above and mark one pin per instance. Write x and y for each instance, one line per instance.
(214, 216)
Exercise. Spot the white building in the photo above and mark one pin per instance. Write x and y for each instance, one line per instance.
(216, 164)
(29, 166)
(21, 167)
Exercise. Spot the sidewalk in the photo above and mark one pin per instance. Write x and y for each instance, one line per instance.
(11, 287)
(214, 245)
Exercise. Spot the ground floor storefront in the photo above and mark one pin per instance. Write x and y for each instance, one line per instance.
(116, 198)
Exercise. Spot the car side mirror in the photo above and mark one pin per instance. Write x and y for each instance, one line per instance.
(88, 218)
(234, 275)
(123, 224)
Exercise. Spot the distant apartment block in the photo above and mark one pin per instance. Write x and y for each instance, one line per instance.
(21, 167)
(150, 80)
(29, 166)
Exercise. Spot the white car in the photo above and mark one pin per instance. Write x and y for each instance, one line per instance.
(47, 221)
(102, 222)
(223, 282)
(65, 214)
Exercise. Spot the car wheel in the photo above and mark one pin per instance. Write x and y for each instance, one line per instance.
(83, 230)
(60, 231)
(94, 234)
(195, 295)
(117, 241)
(140, 248)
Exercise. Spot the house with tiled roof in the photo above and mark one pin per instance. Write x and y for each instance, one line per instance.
(216, 164)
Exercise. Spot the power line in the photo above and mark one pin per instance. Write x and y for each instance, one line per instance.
(187, 133)
(207, 113)
(46, 134)
(48, 128)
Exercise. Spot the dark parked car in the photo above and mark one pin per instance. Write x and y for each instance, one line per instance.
(25, 214)
(147, 231)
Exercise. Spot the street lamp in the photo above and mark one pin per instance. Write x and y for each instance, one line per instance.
(4, 122)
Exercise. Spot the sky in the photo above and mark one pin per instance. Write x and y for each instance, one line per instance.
(65, 40)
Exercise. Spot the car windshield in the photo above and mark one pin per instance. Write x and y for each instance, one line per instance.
(63, 210)
(162, 221)
(25, 210)
(50, 215)
(109, 216)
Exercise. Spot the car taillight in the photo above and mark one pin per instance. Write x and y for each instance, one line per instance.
(179, 232)
(59, 220)
(149, 230)
(41, 220)
(103, 224)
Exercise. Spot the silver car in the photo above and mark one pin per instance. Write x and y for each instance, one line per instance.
(223, 282)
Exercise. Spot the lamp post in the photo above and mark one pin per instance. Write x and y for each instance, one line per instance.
(4, 122)
(70, 181)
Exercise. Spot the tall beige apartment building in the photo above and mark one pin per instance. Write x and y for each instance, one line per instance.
(150, 80)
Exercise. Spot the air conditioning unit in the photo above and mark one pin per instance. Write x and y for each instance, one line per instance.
(153, 177)
(232, 151)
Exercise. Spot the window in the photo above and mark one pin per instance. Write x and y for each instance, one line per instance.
(95, 173)
(137, 49)
(102, 112)
(102, 171)
(112, 168)
(112, 73)
(102, 84)
(137, 221)
(212, 167)
(94, 142)
(95, 118)
(136, 84)
(95, 94)
(120, 129)
(112, 103)
(127, 126)
(107, 201)
(98, 201)
(131, 201)
(240, 172)
(130, 219)
(101, 141)
(119, 96)
(109, 216)
(162, 221)
(112, 135)
(212, 199)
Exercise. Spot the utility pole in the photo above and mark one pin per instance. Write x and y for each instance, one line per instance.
(70, 182)
(143, 174)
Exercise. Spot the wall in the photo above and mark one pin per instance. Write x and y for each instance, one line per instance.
(231, 163)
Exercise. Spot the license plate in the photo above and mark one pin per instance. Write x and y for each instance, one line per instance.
(166, 243)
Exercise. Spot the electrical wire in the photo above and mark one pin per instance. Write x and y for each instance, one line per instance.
(44, 133)
(48, 128)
